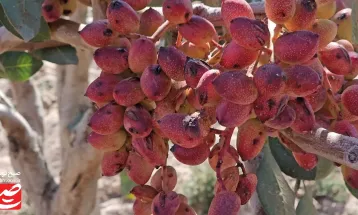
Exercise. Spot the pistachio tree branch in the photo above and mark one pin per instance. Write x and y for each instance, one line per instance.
(335, 147)
(8, 40)
(62, 32)
(66, 31)
(31, 46)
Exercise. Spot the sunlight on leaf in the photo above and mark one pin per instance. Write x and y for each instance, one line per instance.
(18, 66)
(274, 193)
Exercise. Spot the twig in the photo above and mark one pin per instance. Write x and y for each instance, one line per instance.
(180, 91)
(239, 164)
(66, 31)
(253, 70)
(8, 40)
(179, 39)
(161, 31)
(276, 32)
(335, 147)
(38, 45)
(217, 45)
(213, 59)
(217, 131)
(242, 167)
(272, 27)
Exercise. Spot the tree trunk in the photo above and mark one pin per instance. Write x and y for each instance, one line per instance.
(26, 158)
(80, 162)
(28, 103)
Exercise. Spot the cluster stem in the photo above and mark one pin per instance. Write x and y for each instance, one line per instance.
(217, 131)
(213, 59)
(161, 31)
(225, 139)
(217, 45)
(253, 70)
(179, 39)
(239, 164)
(242, 167)
(164, 179)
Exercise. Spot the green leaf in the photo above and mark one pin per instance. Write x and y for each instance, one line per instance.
(324, 168)
(353, 191)
(18, 66)
(44, 32)
(62, 55)
(305, 205)
(287, 162)
(24, 16)
(355, 22)
(274, 193)
(5, 22)
(289, 166)
(126, 183)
